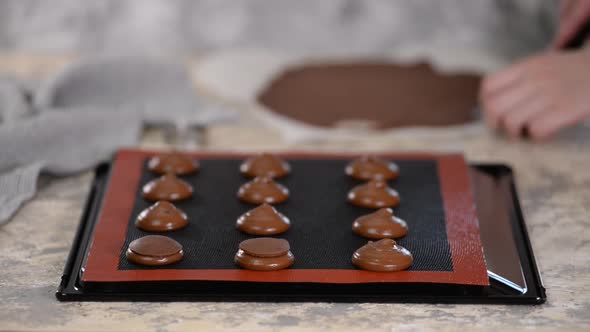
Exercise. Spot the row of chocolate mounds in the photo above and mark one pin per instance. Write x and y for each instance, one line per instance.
(264, 253)
(155, 250)
(365, 168)
(269, 254)
(263, 189)
(260, 254)
(384, 255)
(265, 220)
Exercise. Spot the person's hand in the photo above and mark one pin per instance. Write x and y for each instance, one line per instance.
(572, 15)
(541, 94)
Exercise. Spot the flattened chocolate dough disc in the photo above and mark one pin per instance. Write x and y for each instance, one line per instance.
(264, 254)
(385, 95)
(154, 250)
(265, 247)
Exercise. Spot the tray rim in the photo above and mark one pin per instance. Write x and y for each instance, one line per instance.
(70, 290)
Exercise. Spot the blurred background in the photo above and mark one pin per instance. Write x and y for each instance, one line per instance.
(81, 79)
(507, 28)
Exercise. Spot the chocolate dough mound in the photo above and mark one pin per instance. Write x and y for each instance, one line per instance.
(379, 95)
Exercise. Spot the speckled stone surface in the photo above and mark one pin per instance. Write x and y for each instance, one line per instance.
(554, 186)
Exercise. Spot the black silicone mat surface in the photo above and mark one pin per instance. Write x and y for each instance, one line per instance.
(317, 205)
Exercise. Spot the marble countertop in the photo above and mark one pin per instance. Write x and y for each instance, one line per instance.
(553, 182)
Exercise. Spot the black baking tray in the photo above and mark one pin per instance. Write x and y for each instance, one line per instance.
(529, 290)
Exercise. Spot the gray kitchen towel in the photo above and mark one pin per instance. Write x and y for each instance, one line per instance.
(57, 142)
(16, 187)
(13, 100)
(84, 113)
(66, 142)
(159, 90)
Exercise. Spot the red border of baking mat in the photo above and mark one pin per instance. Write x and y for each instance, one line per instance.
(469, 267)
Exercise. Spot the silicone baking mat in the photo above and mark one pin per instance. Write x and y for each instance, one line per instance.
(436, 202)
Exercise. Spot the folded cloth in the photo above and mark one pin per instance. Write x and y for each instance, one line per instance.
(13, 100)
(58, 143)
(84, 113)
(66, 142)
(16, 187)
(159, 90)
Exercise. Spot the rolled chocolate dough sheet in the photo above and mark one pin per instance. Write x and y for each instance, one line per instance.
(379, 95)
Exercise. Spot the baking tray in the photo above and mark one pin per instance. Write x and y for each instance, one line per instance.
(505, 286)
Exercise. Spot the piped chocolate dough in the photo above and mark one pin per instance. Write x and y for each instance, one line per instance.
(263, 220)
(374, 194)
(265, 164)
(382, 256)
(372, 168)
(160, 217)
(173, 162)
(154, 250)
(380, 225)
(379, 95)
(264, 254)
(263, 190)
(167, 188)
